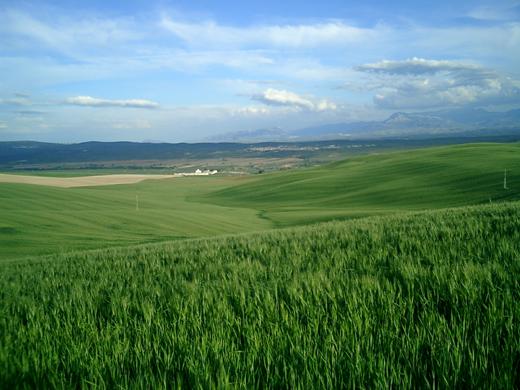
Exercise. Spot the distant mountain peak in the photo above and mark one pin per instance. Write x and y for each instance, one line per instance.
(273, 133)
(398, 117)
(447, 121)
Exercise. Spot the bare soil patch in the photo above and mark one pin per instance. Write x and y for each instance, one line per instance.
(83, 181)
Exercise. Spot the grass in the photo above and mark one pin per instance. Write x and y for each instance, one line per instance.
(42, 220)
(427, 299)
(403, 298)
(380, 184)
(37, 220)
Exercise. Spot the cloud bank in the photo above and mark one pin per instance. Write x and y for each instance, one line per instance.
(415, 66)
(289, 35)
(424, 83)
(48, 51)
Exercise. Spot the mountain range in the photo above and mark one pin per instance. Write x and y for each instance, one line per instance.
(469, 121)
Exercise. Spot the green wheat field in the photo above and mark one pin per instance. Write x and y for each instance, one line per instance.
(393, 270)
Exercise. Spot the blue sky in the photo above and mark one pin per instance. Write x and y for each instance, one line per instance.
(186, 70)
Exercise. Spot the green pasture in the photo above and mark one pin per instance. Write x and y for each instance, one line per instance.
(382, 183)
(424, 300)
(41, 220)
(196, 289)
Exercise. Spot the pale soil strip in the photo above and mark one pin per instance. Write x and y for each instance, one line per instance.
(82, 181)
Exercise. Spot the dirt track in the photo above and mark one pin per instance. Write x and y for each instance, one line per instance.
(82, 181)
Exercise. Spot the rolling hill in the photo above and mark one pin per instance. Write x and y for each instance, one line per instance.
(424, 300)
(416, 299)
(37, 220)
(385, 183)
(42, 220)
(28, 154)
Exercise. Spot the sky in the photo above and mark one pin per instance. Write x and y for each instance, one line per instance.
(73, 71)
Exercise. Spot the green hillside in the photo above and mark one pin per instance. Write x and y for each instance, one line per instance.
(41, 220)
(427, 300)
(384, 183)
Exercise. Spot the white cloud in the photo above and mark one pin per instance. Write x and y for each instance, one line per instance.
(3, 125)
(95, 102)
(325, 105)
(295, 36)
(45, 50)
(309, 69)
(278, 97)
(424, 83)
(416, 66)
(132, 125)
(498, 12)
(16, 101)
(476, 42)
(104, 48)
(190, 60)
(250, 111)
(66, 34)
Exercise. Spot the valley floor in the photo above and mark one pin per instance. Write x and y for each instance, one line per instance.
(37, 220)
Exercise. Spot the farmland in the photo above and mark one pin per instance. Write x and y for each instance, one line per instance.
(260, 195)
(42, 220)
(226, 281)
(383, 183)
(417, 300)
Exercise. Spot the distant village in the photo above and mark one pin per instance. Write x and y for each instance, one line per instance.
(199, 172)
(287, 148)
